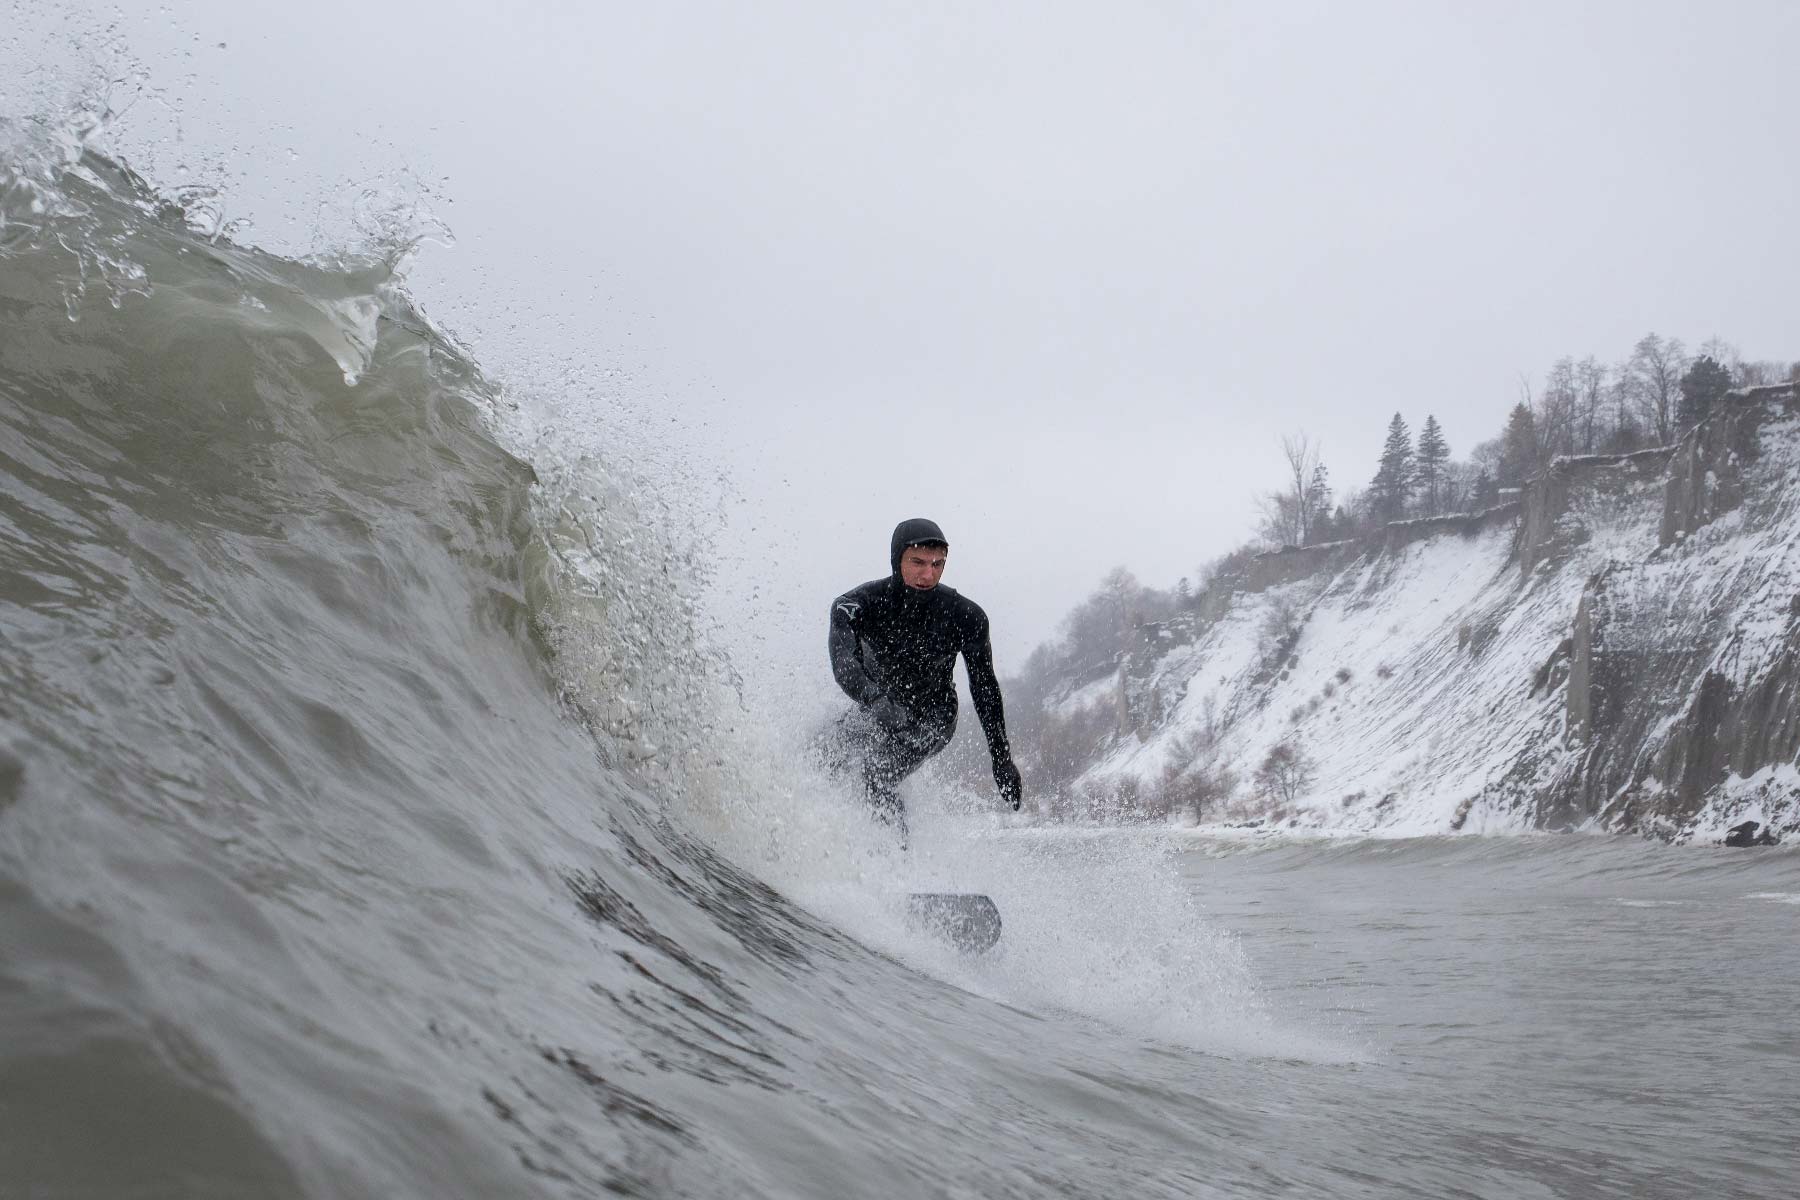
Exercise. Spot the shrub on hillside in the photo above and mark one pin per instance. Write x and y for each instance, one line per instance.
(1200, 789)
(1280, 628)
(1286, 772)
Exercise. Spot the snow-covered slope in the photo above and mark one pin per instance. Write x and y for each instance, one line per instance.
(1619, 647)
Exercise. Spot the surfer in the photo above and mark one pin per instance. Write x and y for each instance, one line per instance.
(894, 643)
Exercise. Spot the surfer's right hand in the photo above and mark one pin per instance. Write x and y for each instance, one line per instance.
(1006, 778)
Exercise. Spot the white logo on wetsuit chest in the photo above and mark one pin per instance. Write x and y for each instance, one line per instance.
(849, 608)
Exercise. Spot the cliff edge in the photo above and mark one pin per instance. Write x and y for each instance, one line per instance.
(1617, 648)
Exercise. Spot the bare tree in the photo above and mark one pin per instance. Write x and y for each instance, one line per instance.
(1556, 409)
(1099, 630)
(1069, 743)
(1755, 374)
(1124, 594)
(1193, 778)
(1462, 480)
(1280, 522)
(1625, 434)
(1590, 388)
(1205, 785)
(1655, 371)
(1486, 457)
(1286, 772)
(1287, 513)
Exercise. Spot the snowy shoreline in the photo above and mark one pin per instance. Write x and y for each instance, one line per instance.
(1614, 651)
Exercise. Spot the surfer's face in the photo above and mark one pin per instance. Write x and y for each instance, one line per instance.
(922, 566)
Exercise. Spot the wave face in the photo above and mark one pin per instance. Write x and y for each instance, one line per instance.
(355, 781)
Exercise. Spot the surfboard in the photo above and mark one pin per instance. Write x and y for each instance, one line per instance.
(967, 920)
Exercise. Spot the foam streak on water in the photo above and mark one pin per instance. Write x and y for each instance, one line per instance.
(376, 820)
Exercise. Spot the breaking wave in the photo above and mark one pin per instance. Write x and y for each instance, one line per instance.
(379, 814)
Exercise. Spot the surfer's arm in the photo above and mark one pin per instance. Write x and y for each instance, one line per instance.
(984, 689)
(845, 644)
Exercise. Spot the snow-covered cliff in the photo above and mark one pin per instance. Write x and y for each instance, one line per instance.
(1618, 647)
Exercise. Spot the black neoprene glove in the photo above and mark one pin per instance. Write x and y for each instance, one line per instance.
(1006, 778)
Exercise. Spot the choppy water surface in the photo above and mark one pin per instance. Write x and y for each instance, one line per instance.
(1543, 1017)
(376, 821)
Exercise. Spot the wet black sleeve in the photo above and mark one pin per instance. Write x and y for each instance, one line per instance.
(984, 689)
(846, 651)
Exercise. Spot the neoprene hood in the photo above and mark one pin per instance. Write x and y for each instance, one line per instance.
(914, 532)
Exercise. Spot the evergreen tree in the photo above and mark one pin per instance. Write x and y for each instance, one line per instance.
(1434, 452)
(1487, 492)
(1518, 447)
(1705, 382)
(1318, 503)
(1392, 486)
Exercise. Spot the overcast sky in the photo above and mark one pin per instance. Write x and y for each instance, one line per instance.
(1057, 275)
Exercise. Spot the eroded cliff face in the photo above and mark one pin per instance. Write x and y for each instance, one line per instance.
(1686, 665)
(1619, 649)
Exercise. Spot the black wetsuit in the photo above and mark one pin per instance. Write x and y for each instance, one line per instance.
(893, 651)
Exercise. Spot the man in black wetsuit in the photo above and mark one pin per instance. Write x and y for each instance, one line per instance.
(894, 643)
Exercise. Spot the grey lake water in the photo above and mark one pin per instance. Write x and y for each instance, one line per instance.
(359, 838)
(1547, 1016)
